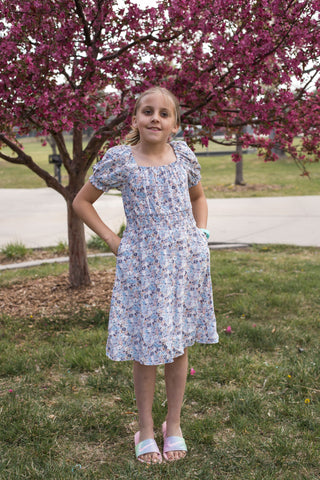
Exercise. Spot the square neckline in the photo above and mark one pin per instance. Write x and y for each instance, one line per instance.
(155, 166)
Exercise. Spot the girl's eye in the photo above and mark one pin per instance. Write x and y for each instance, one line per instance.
(148, 111)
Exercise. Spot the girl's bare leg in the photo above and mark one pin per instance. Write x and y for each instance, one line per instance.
(175, 377)
(144, 377)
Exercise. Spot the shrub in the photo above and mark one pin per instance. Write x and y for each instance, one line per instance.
(61, 248)
(15, 250)
(97, 243)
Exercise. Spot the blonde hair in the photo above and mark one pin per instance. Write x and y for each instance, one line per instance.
(133, 136)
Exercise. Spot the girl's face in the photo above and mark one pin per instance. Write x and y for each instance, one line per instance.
(156, 118)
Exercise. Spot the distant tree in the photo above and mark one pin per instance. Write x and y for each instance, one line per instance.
(253, 63)
(238, 157)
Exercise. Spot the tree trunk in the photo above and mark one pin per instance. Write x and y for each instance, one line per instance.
(239, 173)
(52, 144)
(276, 148)
(78, 264)
(76, 169)
(239, 165)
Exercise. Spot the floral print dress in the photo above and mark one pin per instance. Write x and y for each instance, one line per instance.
(162, 297)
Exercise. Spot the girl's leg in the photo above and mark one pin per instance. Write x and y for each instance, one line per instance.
(175, 377)
(144, 377)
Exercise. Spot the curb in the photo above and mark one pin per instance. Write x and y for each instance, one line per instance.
(223, 245)
(36, 263)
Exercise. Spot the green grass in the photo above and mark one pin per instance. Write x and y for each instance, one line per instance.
(19, 176)
(218, 173)
(251, 410)
(263, 179)
(14, 251)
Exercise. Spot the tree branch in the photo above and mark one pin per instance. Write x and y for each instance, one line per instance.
(302, 90)
(137, 42)
(77, 141)
(65, 157)
(67, 76)
(24, 159)
(84, 22)
(100, 137)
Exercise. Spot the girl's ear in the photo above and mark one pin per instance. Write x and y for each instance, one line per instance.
(175, 129)
(134, 121)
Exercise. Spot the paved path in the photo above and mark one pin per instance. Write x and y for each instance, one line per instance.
(38, 218)
(281, 220)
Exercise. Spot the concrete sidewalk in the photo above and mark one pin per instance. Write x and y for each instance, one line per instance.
(38, 218)
(277, 220)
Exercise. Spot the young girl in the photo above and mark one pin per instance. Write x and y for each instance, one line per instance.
(162, 297)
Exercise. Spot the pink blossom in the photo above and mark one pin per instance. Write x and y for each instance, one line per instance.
(236, 157)
(204, 141)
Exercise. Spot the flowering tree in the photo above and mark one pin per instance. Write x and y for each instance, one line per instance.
(252, 63)
(69, 65)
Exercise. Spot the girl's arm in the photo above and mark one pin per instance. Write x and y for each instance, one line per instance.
(83, 206)
(199, 205)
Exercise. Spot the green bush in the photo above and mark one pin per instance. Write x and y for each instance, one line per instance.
(121, 230)
(97, 243)
(15, 251)
(61, 248)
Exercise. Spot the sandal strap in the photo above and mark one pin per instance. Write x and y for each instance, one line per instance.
(174, 443)
(147, 446)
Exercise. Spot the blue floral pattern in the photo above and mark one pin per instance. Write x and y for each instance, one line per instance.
(162, 297)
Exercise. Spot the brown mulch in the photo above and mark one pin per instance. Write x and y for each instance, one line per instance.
(52, 295)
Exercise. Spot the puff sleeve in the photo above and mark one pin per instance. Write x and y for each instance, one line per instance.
(112, 170)
(190, 163)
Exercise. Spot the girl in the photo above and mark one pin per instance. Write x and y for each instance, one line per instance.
(162, 297)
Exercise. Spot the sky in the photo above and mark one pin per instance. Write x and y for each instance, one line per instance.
(142, 3)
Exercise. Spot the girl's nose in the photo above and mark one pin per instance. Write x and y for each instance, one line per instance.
(155, 117)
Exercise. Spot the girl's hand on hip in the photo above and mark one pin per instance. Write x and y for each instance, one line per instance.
(114, 244)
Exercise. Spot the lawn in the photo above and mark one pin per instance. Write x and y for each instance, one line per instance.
(251, 409)
(19, 176)
(218, 173)
(280, 178)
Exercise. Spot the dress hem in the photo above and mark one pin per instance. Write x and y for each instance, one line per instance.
(165, 361)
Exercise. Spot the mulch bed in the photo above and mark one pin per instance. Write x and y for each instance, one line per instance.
(52, 295)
